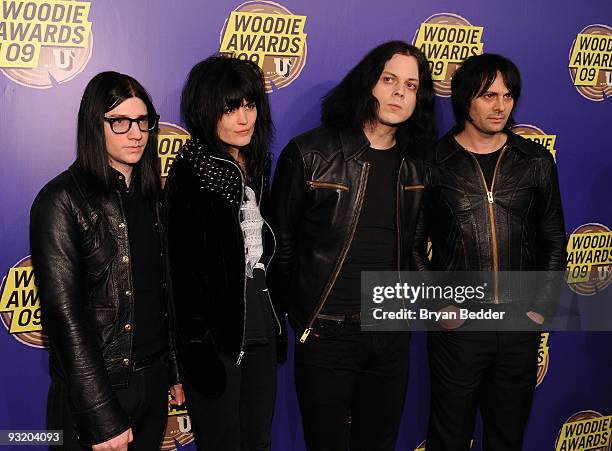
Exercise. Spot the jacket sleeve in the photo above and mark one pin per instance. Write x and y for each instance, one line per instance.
(288, 197)
(551, 240)
(54, 243)
(173, 369)
(185, 227)
(419, 260)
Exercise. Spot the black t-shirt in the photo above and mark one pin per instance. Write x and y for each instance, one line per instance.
(259, 320)
(374, 245)
(149, 328)
(487, 162)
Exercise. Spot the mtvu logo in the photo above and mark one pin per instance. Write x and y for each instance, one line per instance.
(283, 66)
(63, 58)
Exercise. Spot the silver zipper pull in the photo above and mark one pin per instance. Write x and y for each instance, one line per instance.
(490, 196)
(240, 357)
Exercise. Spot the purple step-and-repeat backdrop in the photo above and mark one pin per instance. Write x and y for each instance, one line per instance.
(49, 49)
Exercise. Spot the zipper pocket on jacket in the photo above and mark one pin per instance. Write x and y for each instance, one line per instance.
(413, 187)
(314, 184)
(343, 253)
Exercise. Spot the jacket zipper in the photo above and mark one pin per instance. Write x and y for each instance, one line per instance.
(241, 353)
(491, 202)
(347, 245)
(397, 214)
(313, 184)
(412, 187)
(280, 329)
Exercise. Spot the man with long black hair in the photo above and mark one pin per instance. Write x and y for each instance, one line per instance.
(345, 200)
(98, 254)
(491, 203)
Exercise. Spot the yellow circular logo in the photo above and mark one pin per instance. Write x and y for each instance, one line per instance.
(44, 43)
(585, 430)
(590, 66)
(543, 357)
(170, 140)
(270, 35)
(20, 306)
(447, 39)
(536, 134)
(589, 259)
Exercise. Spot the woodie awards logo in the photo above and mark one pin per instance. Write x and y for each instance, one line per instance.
(543, 357)
(447, 39)
(589, 259)
(585, 430)
(590, 62)
(44, 43)
(170, 140)
(536, 134)
(20, 305)
(270, 35)
(178, 428)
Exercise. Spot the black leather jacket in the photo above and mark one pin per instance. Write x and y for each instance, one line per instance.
(317, 196)
(207, 262)
(515, 225)
(81, 258)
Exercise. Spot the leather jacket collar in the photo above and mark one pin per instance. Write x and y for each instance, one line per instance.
(443, 152)
(355, 142)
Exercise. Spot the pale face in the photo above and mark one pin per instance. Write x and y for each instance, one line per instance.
(236, 127)
(489, 113)
(396, 89)
(126, 150)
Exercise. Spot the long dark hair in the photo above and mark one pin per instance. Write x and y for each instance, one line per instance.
(351, 103)
(103, 93)
(220, 82)
(475, 76)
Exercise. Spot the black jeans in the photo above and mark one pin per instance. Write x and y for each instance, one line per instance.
(495, 371)
(145, 401)
(241, 418)
(351, 386)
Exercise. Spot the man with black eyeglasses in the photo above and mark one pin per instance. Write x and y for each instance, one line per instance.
(98, 255)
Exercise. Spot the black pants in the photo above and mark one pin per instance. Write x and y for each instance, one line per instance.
(241, 418)
(495, 371)
(145, 401)
(351, 387)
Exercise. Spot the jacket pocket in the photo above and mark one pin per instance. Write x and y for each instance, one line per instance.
(103, 320)
(321, 184)
(100, 258)
(413, 187)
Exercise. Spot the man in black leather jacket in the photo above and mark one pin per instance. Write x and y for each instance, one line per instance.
(97, 251)
(491, 203)
(345, 199)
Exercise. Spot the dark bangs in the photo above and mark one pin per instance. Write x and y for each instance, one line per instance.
(220, 82)
(475, 76)
(103, 93)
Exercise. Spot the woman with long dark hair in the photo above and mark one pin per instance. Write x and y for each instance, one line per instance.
(220, 246)
(97, 252)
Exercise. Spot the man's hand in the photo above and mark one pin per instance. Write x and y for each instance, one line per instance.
(118, 443)
(178, 395)
(535, 317)
(450, 323)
